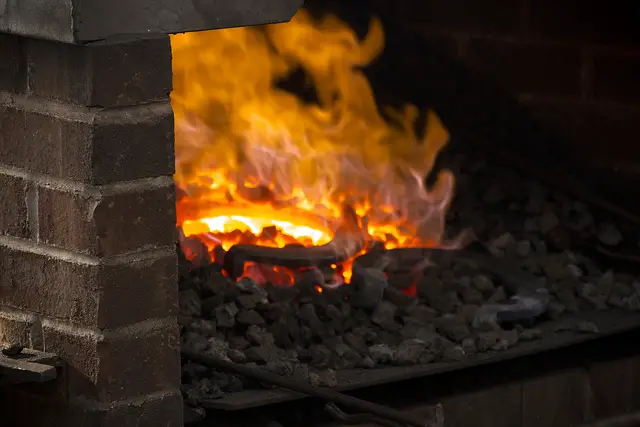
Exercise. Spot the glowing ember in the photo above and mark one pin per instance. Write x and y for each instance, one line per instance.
(256, 164)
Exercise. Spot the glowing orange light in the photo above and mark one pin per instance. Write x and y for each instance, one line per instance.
(259, 165)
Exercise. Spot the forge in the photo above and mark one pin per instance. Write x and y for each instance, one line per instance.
(363, 213)
(332, 174)
(347, 243)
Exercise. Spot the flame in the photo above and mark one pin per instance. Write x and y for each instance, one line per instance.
(257, 164)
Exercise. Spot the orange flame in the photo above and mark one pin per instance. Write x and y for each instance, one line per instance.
(257, 164)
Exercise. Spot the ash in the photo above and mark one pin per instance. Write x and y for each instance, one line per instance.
(371, 323)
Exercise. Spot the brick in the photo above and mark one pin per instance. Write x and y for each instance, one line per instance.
(13, 75)
(86, 146)
(13, 207)
(63, 147)
(89, 295)
(137, 291)
(127, 151)
(112, 75)
(585, 21)
(107, 225)
(14, 329)
(557, 400)
(490, 17)
(527, 67)
(480, 408)
(615, 77)
(164, 410)
(111, 368)
(615, 387)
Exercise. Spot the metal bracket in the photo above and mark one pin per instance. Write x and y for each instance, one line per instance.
(27, 366)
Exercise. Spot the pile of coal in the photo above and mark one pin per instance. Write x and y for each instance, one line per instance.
(375, 321)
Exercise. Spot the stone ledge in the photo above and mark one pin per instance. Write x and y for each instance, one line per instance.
(76, 21)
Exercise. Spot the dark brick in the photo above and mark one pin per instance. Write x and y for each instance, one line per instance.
(590, 21)
(107, 225)
(490, 17)
(527, 67)
(596, 135)
(615, 387)
(13, 207)
(62, 147)
(116, 368)
(496, 407)
(557, 400)
(615, 77)
(165, 411)
(94, 150)
(113, 75)
(153, 411)
(89, 295)
(50, 398)
(13, 75)
(14, 329)
(138, 291)
(125, 151)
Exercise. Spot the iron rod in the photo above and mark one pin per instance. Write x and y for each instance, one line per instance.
(323, 393)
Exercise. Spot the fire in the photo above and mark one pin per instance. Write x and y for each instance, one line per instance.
(258, 164)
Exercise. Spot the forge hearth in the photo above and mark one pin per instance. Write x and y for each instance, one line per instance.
(543, 271)
(519, 285)
(463, 271)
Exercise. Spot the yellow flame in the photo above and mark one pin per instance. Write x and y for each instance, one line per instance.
(243, 143)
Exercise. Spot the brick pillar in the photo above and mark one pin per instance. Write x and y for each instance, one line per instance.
(87, 230)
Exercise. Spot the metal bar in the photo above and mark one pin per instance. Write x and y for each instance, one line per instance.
(346, 243)
(356, 419)
(14, 371)
(326, 394)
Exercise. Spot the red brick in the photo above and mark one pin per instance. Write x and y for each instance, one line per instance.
(589, 21)
(107, 225)
(527, 67)
(13, 75)
(615, 387)
(110, 75)
(557, 400)
(111, 368)
(13, 207)
(615, 77)
(89, 295)
(95, 147)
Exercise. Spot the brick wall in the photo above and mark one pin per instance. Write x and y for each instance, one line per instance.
(87, 223)
(573, 64)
